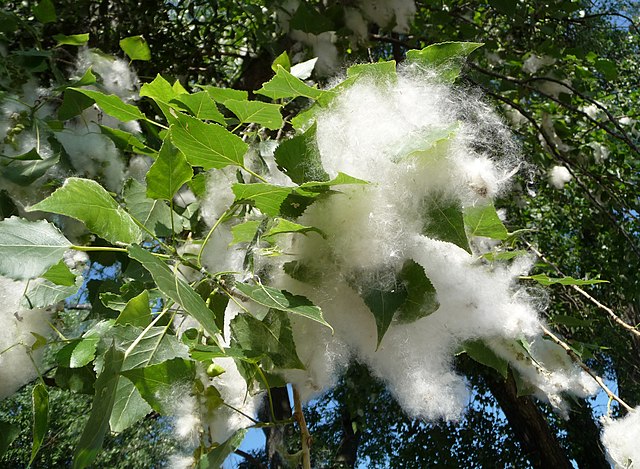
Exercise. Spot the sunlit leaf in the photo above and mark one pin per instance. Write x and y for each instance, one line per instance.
(168, 173)
(264, 114)
(286, 85)
(444, 221)
(266, 197)
(483, 220)
(299, 158)
(29, 248)
(545, 280)
(113, 105)
(207, 145)
(87, 201)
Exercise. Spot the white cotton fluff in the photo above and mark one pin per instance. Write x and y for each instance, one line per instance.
(117, 76)
(533, 63)
(559, 176)
(180, 461)
(218, 196)
(324, 48)
(92, 154)
(371, 230)
(186, 419)
(385, 13)
(16, 325)
(139, 167)
(229, 418)
(620, 438)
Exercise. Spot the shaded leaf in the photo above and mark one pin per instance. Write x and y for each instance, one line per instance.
(380, 72)
(29, 248)
(383, 304)
(220, 95)
(218, 455)
(444, 221)
(245, 232)
(96, 428)
(299, 158)
(80, 380)
(271, 337)
(8, 433)
(40, 403)
(154, 214)
(128, 407)
(308, 19)
(484, 355)
(43, 293)
(422, 298)
(27, 168)
(73, 103)
(156, 383)
(45, 12)
(87, 201)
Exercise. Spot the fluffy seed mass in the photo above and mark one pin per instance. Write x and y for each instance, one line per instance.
(422, 146)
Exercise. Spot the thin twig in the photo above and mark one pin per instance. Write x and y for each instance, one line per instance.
(588, 370)
(305, 436)
(617, 319)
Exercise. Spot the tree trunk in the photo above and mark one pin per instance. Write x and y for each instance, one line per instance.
(348, 449)
(583, 436)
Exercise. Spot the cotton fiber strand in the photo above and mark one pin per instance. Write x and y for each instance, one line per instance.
(372, 230)
(621, 440)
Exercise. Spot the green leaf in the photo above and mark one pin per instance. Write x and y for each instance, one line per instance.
(156, 383)
(40, 400)
(503, 256)
(113, 105)
(81, 352)
(245, 232)
(308, 19)
(422, 298)
(73, 40)
(88, 78)
(571, 321)
(43, 293)
(283, 301)
(154, 214)
(264, 114)
(220, 453)
(176, 289)
(87, 201)
(383, 304)
(299, 158)
(444, 221)
(29, 248)
(136, 48)
(380, 72)
(168, 173)
(128, 407)
(161, 91)
(339, 180)
(283, 61)
(266, 197)
(484, 355)
(73, 103)
(427, 145)
(8, 433)
(445, 55)
(271, 337)
(221, 95)
(137, 312)
(80, 380)
(60, 275)
(45, 12)
(285, 85)
(126, 141)
(483, 220)
(207, 145)
(282, 225)
(103, 401)
(542, 279)
(201, 105)
(27, 168)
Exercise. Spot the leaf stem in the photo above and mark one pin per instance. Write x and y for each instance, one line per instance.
(96, 248)
(255, 175)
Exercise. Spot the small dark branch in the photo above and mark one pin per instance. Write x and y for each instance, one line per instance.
(389, 40)
(254, 462)
(600, 15)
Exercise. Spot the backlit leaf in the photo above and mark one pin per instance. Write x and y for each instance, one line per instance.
(168, 173)
(299, 158)
(113, 105)
(264, 114)
(136, 48)
(201, 105)
(72, 40)
(483, 220)
(266, 197)
(447, 56)
(40, 402)
(286, 85)
(444, 221)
